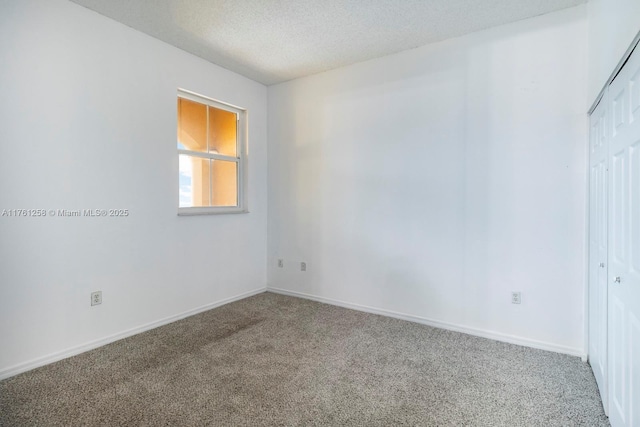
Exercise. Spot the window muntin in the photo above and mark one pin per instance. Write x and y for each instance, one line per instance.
(210, 155)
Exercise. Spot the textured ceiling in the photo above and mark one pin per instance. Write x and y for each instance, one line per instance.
(272, 41)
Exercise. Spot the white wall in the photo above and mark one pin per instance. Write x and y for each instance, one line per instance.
(613, 24)
(88, 120)
(434, 182)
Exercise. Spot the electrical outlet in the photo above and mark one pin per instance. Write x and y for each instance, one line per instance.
(516, 298)
(96, 298)
(303, 266)
(280, 263)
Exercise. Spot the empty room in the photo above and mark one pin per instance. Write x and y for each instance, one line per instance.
(320, 213)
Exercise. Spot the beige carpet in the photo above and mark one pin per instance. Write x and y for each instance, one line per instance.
(281, 361)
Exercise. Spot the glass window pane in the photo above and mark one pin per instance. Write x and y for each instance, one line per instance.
(225, 183)
(223, 132)
(194, 181)
(192, 125)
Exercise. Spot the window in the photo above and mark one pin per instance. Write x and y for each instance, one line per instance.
(211, 156)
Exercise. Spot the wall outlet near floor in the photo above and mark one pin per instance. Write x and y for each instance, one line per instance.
(516, 297)
(280, 263)
(303, 266)
(96, 298)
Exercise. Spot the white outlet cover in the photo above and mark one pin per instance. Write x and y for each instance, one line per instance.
(96, 298)
(516, 298)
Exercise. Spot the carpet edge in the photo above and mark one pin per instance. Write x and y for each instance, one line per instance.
(91, 345)
(497, 336)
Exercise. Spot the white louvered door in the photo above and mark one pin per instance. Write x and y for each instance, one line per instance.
(598, 247)
(624, 245)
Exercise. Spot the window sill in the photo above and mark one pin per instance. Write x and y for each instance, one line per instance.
(211, 211)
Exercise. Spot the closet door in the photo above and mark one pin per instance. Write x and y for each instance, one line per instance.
(624, 245)
(598, 247)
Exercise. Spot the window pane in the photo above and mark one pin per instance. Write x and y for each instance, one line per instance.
(195, 181)
(225, 183)
(222, 132)
(192, 125)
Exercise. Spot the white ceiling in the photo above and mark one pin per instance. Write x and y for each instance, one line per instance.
(272, 41)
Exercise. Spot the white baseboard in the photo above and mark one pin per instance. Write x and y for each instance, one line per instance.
(54, 357)
(498, 336)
